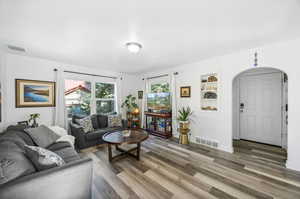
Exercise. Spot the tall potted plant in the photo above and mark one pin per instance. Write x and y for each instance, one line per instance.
(130, 103)
(184, 122)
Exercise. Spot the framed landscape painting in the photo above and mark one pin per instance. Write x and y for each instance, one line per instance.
(33, 93)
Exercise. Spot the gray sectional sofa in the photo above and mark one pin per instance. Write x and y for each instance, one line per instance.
(19, 179)
(100, 124)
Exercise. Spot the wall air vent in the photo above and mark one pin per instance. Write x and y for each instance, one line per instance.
(16, 48)
(204, 141)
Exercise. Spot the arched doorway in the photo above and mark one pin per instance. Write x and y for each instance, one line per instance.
(260, 110)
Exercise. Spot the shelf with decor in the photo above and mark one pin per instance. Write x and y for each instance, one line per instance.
(159, 124)
(133, 120)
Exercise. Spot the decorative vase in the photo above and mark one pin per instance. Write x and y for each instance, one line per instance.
(183, 130)
(184, 124)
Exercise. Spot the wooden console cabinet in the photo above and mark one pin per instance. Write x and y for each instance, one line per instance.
(159, 124)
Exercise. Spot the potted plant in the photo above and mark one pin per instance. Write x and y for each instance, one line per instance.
(33, 118)
(130, 103)
(183, 118)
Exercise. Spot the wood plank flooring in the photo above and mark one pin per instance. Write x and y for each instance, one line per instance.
(264, 153)
(170, 170)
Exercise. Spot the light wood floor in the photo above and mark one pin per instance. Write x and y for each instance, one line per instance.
(170, 170)
(260, 153)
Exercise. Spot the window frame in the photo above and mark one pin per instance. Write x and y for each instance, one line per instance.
(94, 81)
(114, 99)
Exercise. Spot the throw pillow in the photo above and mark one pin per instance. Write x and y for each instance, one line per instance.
(67, 138)
(86, 124)
(42, 136)
(58, 130)
(114, 121)
(42, 158)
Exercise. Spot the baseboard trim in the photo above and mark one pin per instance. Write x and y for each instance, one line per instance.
(292, 165)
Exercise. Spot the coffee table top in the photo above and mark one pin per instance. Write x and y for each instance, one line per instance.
(117, 137)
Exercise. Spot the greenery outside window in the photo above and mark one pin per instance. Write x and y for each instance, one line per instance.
(78, 97)
(105, 98)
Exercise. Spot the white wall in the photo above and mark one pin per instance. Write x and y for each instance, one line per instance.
(131, 84)
(218, 125)
(23, 67)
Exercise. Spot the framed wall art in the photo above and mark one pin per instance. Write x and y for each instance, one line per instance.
(33, 93)
(209, 92)
(140, 94)
(185, 91)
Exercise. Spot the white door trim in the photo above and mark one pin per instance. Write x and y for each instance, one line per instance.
(237, 104)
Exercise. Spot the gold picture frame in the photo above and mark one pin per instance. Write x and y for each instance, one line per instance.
(185, 91)
(34, 93)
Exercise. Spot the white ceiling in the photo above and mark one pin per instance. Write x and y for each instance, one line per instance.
(173, 32)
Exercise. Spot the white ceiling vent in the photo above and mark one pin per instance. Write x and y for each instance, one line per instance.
(16, 48)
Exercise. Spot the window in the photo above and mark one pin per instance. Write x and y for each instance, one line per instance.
(105, 98)
(78, 97)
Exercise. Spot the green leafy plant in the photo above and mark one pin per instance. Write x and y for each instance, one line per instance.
(32, 118)
(184, 114)
(130, 103)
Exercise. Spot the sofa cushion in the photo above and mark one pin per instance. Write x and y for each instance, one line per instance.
(100, 132)
(68, 154)
(102, 121)
(58, 145)
(42, 136)
(42, 158)
(97, 134)
(17, 137)
(114, 121)
(58, 130)
(95, 122)
(75, 117)
(13, 162)
(86, 124)
(67, 138)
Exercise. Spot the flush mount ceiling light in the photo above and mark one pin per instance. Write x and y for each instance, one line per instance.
(133, 47)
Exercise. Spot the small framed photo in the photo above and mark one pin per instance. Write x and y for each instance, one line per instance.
(33, 93)
(185, 91)
(140, 94)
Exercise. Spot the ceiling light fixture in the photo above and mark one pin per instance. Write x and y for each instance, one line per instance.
(133, 47)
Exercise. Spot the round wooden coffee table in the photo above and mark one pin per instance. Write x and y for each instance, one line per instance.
(118, 138)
